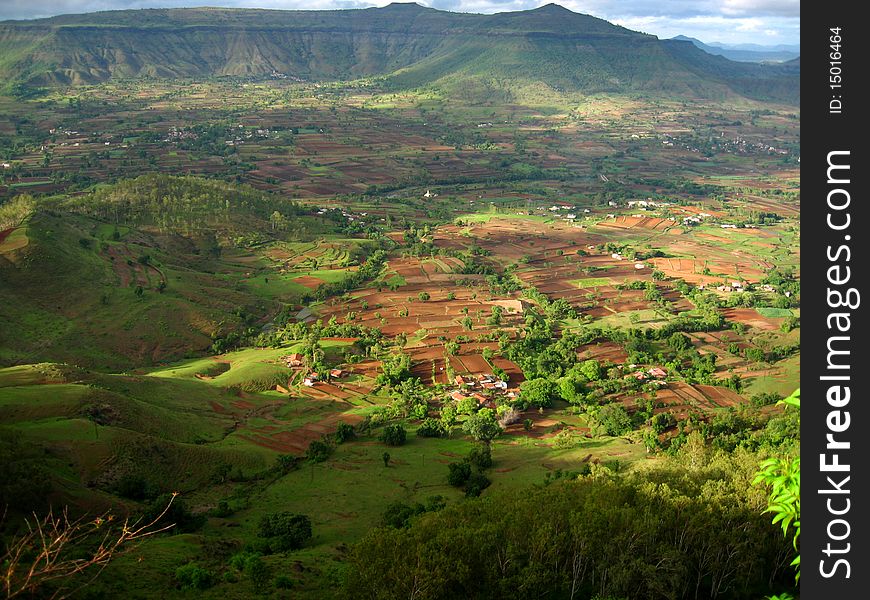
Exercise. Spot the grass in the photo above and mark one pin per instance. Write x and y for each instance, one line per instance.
(14, 241)
(274, 285)
(773, 313)
(592, 282)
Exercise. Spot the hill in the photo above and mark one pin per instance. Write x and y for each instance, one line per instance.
(142, 271)
(409, 45)
(746, 52)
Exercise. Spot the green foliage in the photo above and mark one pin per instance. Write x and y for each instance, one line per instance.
(539, 392)
(344, 432)
(483, 425)
(318, 451)
(431, 428)
(395, 368)
(193, 577)
(458, 473)
(591, 370)
(612, 536)
(783, 476)
(285, 530)
(480, 457)
(178, 515)
(16, 211)
(398, 514)
(614, 418)
(393, 434)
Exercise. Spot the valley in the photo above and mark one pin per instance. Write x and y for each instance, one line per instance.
(384, 293)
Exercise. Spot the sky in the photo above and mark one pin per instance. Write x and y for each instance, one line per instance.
(763, 22)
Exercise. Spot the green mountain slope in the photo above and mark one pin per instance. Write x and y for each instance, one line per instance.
(409, 44)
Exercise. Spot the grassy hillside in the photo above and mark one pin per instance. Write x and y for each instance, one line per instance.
(410, 44)
(140, 272)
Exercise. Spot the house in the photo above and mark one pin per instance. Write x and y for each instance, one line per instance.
(481, 399)
(488, 385)
(309, 381)
(458, 380)
(336, 373)
(638, 265)
(458, 396)
(293, 360)
(639, 375)
(658, 372)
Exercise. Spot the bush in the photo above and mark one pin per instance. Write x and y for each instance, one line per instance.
(476, 484)
(614, 419)
(481, 457)
(458, 473)
(134, 487)
(393, 435)
(285, 530)
(344, 432)
(765, 399)
(177, 513)
(431, 428)
(193, 577)
(318, 451)
(282, 582)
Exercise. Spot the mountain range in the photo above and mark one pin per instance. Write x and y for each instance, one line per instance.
(405, 45)
(746, 52)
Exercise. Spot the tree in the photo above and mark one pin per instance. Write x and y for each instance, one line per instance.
(318, 451)
(614, 418)
(54, 549)
(393, 435)
(344, 432)
(395, 368)
(538, 392)
(480, 457)
(431, 428)
(386, 458)
(679, 342)
(591, 370)
(285, 530)
(458, 473)
(482, 426)
(193, 577)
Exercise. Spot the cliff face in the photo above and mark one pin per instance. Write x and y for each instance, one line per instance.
(407, 44)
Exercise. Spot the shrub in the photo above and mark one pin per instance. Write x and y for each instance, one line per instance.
(458, 473)
(344, 432)
(476, 484)
(285, 530)
(393, 435)
(318, 451)
(481, 457)
(431, 428)
(193, 577)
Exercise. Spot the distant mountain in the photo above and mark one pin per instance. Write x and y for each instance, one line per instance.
(470, 55)
(746, 52)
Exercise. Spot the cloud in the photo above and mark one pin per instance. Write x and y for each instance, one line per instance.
(781, 8)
